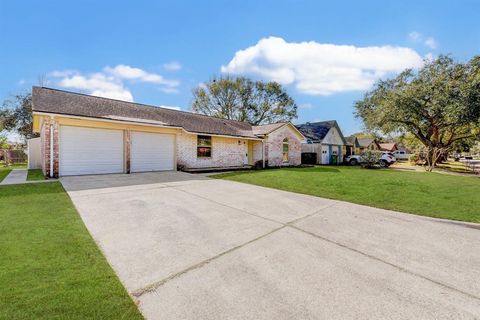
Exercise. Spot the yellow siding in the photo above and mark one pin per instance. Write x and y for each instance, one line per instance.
(102, 124)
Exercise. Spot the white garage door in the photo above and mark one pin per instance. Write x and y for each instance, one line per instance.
(151, 152)
(90, 151)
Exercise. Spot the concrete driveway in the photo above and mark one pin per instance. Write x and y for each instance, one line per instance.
(189, 247)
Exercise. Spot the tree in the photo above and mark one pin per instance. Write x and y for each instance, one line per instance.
(16, 115)
(242, 99)
(3, 141)
(439, 104)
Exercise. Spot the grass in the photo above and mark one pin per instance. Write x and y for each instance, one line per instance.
(35, 175)
(4, 171)
(429, 194)
(50, 267)
(455, 167)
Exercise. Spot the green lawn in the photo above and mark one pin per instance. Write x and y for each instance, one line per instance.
(50, 267)
(429, 194)
(4, 171)
(35, 175)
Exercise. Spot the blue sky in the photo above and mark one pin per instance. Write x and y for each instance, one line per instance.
(327, 54)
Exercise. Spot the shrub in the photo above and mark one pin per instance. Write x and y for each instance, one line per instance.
(413, 159)
(370, 159)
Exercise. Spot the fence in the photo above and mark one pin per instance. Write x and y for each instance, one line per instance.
(34, 153)
(9, 157)
(473, 165)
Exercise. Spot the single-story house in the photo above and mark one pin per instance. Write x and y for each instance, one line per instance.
(83, 134)
(325, 139)
(351, 146)
(368, 144)
(390, 147)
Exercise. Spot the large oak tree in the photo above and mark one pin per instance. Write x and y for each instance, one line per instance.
(439, 104)
(16, 115)
(243, 99)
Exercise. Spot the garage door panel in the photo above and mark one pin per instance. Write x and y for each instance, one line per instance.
(90, 151)
(151, 152)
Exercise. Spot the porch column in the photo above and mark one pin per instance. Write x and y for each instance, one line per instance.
(263, 154)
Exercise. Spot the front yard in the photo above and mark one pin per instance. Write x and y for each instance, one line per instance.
(4, 171)
(50, 268)
(429, 194)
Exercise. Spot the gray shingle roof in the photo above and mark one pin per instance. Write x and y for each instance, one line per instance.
(365, 142)
(351, 141)
(316, 131)
(68, 103)
(267, 128)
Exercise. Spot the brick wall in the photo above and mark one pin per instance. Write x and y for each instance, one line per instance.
(45, 147)
(257, 151)
(274, 147)
(225, 152)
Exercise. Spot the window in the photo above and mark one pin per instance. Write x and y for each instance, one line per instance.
(285, 150)
(204, 146)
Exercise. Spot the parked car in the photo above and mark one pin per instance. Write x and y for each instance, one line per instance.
(386, 160)
(401, 154)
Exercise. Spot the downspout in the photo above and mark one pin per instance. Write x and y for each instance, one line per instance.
(51, 148)
(263, 154)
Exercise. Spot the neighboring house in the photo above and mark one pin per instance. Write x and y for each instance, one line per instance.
(390, 147)
(82, 134)
(325, 139)
(367, 144)
(351, 146)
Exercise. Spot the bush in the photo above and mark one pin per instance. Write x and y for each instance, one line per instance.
(413, 159)
(417, 159)
(259, 164)
(370, 159)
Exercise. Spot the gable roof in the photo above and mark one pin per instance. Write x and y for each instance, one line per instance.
(365, 142)
(267, 128)
(388, 146)
(316, 131)
(351, 141)
(47, 100)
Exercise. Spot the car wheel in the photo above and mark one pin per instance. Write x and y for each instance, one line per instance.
(353, 162)
(383, 164)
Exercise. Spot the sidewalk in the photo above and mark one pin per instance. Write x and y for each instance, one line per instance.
(19, 176)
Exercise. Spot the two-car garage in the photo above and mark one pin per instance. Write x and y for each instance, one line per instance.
(84, 150)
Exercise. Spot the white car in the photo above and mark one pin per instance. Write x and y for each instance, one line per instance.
(386, 160)
(401, 154)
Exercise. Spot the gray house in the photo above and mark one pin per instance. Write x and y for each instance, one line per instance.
(325, 139)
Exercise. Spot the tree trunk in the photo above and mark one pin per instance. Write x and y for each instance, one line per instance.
(432, 157)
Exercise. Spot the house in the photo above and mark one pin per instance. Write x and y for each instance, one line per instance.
(351, 146)
(367, 144)
(82, 134)
(325, 139)
(390, 147)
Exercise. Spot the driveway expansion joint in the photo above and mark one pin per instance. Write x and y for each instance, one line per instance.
(155, 285)
(447, 286)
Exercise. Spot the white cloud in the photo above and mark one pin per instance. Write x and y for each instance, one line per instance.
(21, 82)
(431, 43)
(415, 36)
(170, 107)
(126, 72)
(420, 38)
(172, 66)
(97, 84)
(318, 68)
(110, 82)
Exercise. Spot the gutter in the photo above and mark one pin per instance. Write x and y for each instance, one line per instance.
(51, 115)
